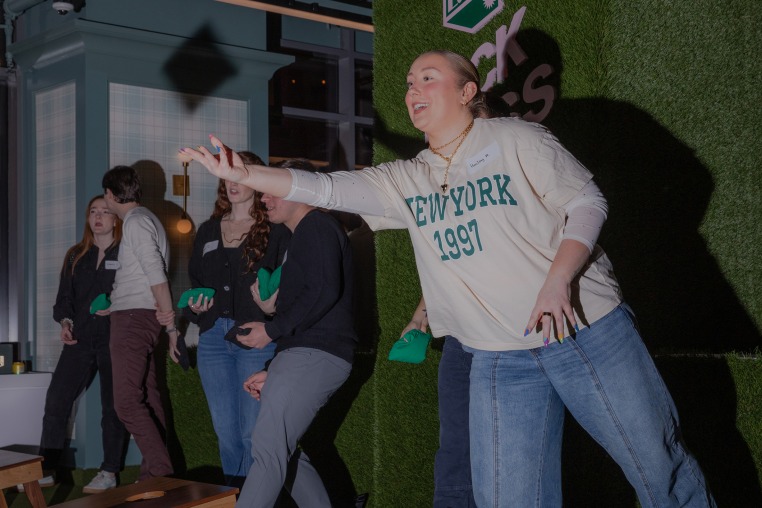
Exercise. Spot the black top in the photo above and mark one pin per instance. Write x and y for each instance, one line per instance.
(314, 306)
(76, 291)
(212, 266)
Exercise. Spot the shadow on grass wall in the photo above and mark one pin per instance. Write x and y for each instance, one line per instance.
(658, 192)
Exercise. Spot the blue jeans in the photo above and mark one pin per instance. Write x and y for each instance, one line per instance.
(452, 466)
(223, 368)
(609, 383)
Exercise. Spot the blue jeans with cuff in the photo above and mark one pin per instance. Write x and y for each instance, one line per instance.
(223, 367)
(608, 381)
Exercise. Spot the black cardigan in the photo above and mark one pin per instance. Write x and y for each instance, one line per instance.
(210, 267)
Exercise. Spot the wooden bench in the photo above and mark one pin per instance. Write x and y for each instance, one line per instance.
(21, 468)
(160, 492)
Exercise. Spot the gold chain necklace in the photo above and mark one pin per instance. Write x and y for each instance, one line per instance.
(448, 158)
(232, 222)
(234, 241)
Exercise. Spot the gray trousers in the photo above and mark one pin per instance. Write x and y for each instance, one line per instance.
(299, 382)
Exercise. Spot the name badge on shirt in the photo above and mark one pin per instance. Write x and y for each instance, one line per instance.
(210, 246)
(112, 265)
(476, 162)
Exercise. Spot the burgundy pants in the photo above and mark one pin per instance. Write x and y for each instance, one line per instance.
(134, 335)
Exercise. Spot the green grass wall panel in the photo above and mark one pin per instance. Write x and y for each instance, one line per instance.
(660, 100)
(694, 67)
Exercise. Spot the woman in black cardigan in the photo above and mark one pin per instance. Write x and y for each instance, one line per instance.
(228, 251)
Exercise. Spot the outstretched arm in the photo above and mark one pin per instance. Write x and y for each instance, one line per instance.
(342, 190)
(229, 166)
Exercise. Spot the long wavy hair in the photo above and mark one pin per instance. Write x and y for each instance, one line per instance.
(255, 243)
(76, 252)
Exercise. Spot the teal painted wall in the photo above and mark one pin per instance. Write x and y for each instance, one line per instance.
(195, 47)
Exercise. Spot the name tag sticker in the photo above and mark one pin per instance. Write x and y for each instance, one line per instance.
(477, 162)
(210, 246)
(112, 265)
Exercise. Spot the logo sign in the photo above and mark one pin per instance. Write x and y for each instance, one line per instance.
(469, 15)
(507, 47)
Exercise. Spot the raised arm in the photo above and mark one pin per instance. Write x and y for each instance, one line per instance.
(229, 166)
(341, 190)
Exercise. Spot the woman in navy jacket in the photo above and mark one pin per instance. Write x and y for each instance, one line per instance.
(88, 271)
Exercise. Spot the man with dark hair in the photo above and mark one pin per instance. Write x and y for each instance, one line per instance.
(140, 287)
(312, 327)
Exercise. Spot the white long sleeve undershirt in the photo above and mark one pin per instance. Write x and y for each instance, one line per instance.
(586, 212)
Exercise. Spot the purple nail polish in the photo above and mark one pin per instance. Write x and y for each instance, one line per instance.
(546, 341)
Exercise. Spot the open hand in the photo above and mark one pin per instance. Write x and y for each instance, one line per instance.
(552, 308)
(227, 165)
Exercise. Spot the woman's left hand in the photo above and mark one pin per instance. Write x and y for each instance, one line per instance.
(554, 299)
(553, 304)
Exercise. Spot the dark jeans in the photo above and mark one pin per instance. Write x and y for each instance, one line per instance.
(452, 464)
(134, 335)
(75, 370)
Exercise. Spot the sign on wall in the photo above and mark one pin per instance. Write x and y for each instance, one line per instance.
(469, 15)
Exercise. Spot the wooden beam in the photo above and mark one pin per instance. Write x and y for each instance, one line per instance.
(306, 13)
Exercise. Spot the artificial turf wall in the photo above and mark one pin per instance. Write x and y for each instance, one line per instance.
(661, 101)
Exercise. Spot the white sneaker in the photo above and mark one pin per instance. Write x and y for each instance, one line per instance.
(47, 481)
(102, 482)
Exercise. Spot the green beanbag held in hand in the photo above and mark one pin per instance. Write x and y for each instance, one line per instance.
(268, 282)
(194, 293)
(411, 347)
(101, 302)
